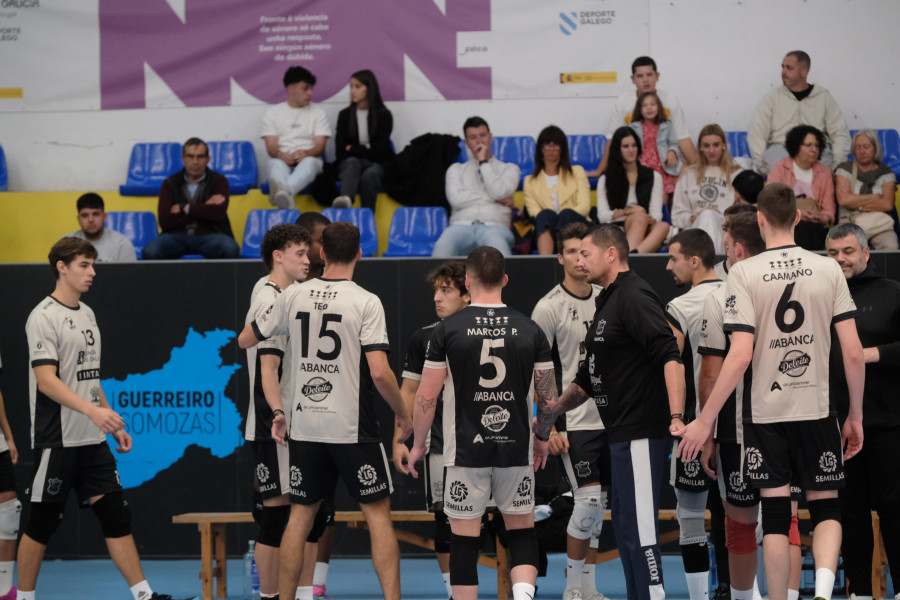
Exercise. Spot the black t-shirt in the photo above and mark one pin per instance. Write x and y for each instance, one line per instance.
(412, 369)
(801, 95)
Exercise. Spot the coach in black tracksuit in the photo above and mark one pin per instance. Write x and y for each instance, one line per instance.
(634, 374)
(873, 477)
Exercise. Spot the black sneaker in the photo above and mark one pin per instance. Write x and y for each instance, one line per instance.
(156, 596)
(723, 592)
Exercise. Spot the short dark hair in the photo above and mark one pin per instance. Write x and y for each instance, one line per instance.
(68, 249)
(795, 137)
(340, 241)
(778, 205)
(570, 231)
(194, 141)
(696, 242)
(749, 184)
(642, 61)
(842, 230)
(474, 122)
(739, 209)
(278, 238)
(801, 56)
(297, 74)
(310, 219)
(487, 265)
(744, 230)
(452, 272)
(89, 200)
(606, 235)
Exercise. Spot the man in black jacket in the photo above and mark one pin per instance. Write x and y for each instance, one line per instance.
(873, 479)
(193, 205)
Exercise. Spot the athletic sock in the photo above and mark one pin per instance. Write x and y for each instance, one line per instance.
(523, 591)
(573, 573)
(320, 574)
(741, 594)
(446, 578)
(698, 585)
(305, 593)
(588, 580)
(141, 590)
(757, 595)
(824, 583)
(793, 594)
(6, 576)
(20, 595)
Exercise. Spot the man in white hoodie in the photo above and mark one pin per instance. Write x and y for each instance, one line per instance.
(797, 102)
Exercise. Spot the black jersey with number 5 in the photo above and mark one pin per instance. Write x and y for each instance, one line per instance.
(490, 353)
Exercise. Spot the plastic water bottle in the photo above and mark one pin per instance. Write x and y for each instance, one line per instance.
(251, 575)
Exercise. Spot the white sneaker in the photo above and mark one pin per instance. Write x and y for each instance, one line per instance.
(279, 194)
(572, 594)
(342, 202)
(596, 596)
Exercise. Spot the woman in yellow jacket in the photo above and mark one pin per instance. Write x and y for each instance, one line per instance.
(557, 193)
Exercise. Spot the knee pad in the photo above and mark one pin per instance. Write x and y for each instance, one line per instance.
(523, 547)
(271, 528)
(794, 534)
(464, 559)
(776, 515)
(691, 512)
(323, 515)
(114, 516)
(695, 557)
(44, 519)
(442, 532)
(10, 511)
(587, 513)
(826, 509)
(740, 538)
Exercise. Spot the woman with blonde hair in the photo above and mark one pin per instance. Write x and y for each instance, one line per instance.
(705, 189)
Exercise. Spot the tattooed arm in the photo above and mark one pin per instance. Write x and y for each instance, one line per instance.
(423, 413)
(549, 407)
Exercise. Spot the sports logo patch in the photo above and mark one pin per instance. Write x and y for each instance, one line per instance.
(316, 389)
(524, 487)
(736, 482)
(583, 468)
(828, 462)
(794, 363)
(296, 477)
(53, 486)
(692, 468)
(367, 475)
(458, 491)
(754, 458)
(495, 418)
(262, 473)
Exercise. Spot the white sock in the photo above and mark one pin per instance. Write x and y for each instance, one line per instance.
(824, 583)
(320, 574)
(446, 578)
(756, 594)
(141, 590)
(20, 595)
(698, 585)
(855, 597)
(573, 573)
(523, 591)
(741, 594)
(588, 580)
(793, 594)
(6, 576)
(305, 593)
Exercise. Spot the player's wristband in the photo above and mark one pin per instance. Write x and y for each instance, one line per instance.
(277, 412)
(546, 439)
(677, 416)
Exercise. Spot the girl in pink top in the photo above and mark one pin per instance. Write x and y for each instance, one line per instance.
(657, 138)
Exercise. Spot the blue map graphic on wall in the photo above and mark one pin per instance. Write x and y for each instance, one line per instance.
(179, 405)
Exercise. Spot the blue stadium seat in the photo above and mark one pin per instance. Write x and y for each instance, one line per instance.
(4, 174)
(364, 219)
(259, 221)
(518, 149)
(237, 162)
(415, 229)
(149, 166)
(586, 151)
(890, 145)
(139, 226)
(737, 143)
(463, 155)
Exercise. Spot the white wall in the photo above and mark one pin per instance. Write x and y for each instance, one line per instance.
(718, 56)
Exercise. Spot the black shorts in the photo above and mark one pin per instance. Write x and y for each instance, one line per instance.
(733, 488)
(588, 458)
(806, 454)
(315, 467)
(688, 476)
(90, 470)
(7, 473)
(272, 469)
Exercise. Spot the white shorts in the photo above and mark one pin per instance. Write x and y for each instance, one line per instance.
(468, 491)
(434, 479)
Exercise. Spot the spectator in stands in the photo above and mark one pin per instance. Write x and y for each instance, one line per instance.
(480, 193)
(794, 103)
(111, 245)
(295, 133)
(658, 139)
(705, 189)
(314, 223)
(362, 142)
(557, 193)
(630, 195)
(812, 183)
(747, 185)
(193, 205)
(645, 76)
(865, 191)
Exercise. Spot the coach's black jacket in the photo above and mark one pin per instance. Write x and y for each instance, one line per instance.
(628, 344)
(877, 301)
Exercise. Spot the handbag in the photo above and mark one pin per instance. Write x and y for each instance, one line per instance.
(872, 223)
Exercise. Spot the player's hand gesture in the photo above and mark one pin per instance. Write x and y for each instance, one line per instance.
(852, 437)
(279, 429)
(400, 456)
(106, 419)
(405, 424)
(558, 444)
(708, 458)
(124, 441)
(415, 455)
(693, 437)
(541, 450)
